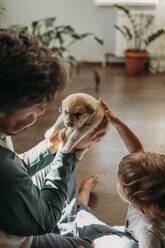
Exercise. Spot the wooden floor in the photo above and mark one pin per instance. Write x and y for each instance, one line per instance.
(140, 102)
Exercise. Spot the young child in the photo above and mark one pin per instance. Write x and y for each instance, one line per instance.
(141, 182)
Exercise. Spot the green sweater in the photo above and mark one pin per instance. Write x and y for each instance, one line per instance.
(24, 209)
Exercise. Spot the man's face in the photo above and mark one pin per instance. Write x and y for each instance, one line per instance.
(21, 120)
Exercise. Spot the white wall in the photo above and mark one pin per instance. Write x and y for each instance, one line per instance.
(83, 15)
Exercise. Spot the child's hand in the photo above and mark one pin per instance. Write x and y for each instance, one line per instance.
(112, 117)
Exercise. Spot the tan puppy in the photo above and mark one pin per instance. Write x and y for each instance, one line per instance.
(81, 112)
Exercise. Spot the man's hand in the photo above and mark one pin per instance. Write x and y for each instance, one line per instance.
(54, 143)
(91, 139)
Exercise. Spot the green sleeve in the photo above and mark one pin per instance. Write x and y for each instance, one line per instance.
(36, 158)
(25, 210)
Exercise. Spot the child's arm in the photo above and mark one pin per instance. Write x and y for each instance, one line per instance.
(131, 141)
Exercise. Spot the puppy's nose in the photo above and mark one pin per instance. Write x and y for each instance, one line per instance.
(69, 124)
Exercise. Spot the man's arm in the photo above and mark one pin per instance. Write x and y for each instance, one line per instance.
(26, 210)
(131, 141)
(31, 211)
(37, 158)
(40, 155)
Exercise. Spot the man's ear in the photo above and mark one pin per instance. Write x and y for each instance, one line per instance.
(90, 109)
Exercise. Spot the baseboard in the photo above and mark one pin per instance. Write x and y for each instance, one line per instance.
(111, 60)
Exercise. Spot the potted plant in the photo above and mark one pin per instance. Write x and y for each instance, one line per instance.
(60, 38)
(137, 40)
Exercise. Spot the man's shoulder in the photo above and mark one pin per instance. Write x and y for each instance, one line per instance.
(6, 154)
(9, 169)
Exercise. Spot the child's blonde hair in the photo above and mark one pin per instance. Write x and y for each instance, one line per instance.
(142, 179)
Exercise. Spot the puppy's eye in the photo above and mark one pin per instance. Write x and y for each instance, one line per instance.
(77, 115)
(65, 112)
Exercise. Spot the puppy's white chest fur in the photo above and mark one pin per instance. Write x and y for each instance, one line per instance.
(81, 112)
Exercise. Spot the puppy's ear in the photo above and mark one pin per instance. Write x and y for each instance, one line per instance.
(90, 109)
(60, 109)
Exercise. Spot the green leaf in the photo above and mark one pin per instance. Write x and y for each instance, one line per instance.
(66, 28)
(96, 75)
(128, 32)
(125, 10)
(60, 38)
(149, 20)
(56, 49)
(121, 31)
(72, 60)
(19, 28)
(131, 18)
(35, 27)
(2, 11)
(154, 36)
(97, 79)
(76, 36)
(84, 35)
(100, 41)
(49, 22)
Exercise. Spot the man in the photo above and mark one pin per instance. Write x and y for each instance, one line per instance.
(30, 76)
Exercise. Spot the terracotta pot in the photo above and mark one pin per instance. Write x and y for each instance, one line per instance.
(135, 62)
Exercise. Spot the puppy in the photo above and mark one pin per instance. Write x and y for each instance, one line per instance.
(80, 112)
